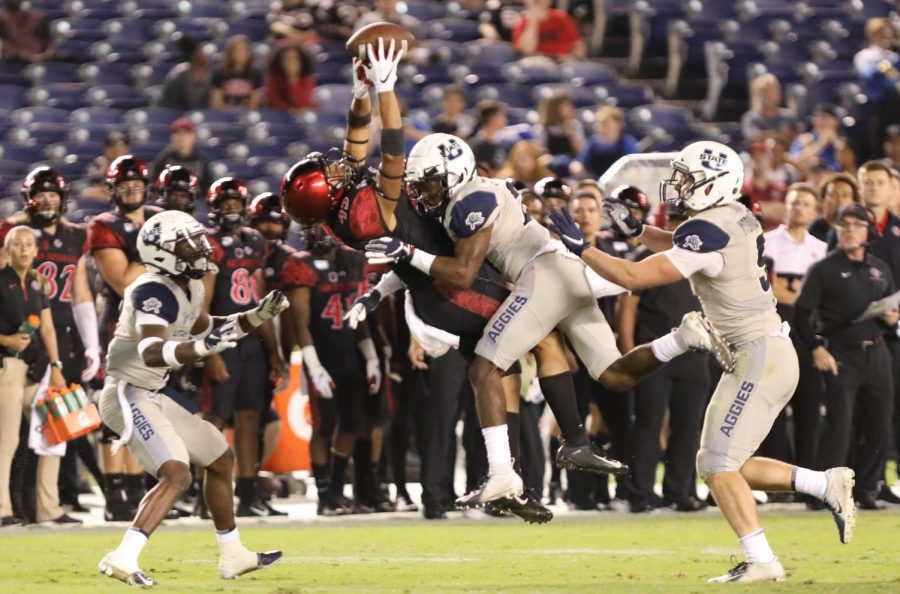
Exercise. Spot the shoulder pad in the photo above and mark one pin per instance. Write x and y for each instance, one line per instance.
(700, 236)
(472, 213)
(157, 299)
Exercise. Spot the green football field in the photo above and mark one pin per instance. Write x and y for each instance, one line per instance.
(607, 553)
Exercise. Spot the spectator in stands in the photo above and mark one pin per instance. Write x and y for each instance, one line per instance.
(182, 150)
(892, 147)
(26, 355)
(823, 144)
(189, 84)
(115, 145)
(290, 80)
(547, 31)
(608, 144)
(453, 118)
(559, 130)
(525, 163)
(499, 18)
(878, 65)
(763, 185)
(386, 10)
(491, 118)
(25, 34)
(295, 22)
(835, 192)
(766, 117)
(237, 83)
(784, 168)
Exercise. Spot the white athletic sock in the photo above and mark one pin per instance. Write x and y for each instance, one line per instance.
(229, 540)
(496, 440)
(810, 482)
(131, 546)
(756, 547)
(665, 348)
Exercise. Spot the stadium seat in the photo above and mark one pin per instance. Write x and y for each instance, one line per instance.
(269, 116)
(452, 29)
(12, 97)
(623, 96)
(12, 75)
(129, 29)
(587, 73)
(524, 73)
(116, 96)
(106, 74)
(68, 96)
(143, 115)
(443, 51)
(215, 116)
(470, 75)
(260, 149)
(264, 184)
(425, 10)
(97, 115)
(254, 29)
(207, 10)
(333, 97)
(511, 95)
(229, 132)
(51, 72)
(240, 168)
(39, 133)
(491, 52)
(39, 114)
(20, 153)
(426, 74)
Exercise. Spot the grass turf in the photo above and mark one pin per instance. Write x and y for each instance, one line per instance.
(584, 553)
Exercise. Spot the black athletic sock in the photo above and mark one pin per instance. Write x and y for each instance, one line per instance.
(320, 474)
(245, 489)
(513, 430)
(559, 392)
(555, 470)
(362, 469)
(338, 470)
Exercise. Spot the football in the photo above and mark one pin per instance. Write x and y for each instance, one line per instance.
(356, 45)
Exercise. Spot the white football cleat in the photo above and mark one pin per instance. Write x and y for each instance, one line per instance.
(839, 499)
(126, 571)
(237, 563)
(492, 487)
(752, 571)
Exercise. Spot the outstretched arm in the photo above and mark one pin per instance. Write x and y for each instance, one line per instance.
(356, 139)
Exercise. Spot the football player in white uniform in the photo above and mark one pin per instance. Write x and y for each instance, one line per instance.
(485, 219)
(162, 326)
(720, 250)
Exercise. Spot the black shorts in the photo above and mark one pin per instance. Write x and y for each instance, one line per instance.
(245, 388)
(351, 392)
(322, 411)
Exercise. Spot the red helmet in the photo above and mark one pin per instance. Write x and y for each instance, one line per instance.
(227, 188)
(123, 169)
(267, 207)
(44, 179)
(176, 178)
(305, 192)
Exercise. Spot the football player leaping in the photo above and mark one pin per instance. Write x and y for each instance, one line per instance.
(485, 220)
(720, 250)
(163, 326)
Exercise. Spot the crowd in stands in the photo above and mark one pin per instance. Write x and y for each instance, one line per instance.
(245, 88)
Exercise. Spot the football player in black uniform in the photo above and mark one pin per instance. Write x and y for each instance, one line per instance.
(112, 239)
(61, 260)
(233, 389)
(177, 188)
(341, 365)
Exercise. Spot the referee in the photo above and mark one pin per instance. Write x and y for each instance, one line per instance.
(853, 356)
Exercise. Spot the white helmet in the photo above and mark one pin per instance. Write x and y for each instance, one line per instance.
(174, 243)
(704, 174)
(436, 167)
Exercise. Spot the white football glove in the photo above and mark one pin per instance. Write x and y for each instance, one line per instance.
(220, 339)
(382, 70)
(321, 379)
(271, 305)
(435, 341)
(361, 83)
(373, 375)
(92, 357)
(362, 307)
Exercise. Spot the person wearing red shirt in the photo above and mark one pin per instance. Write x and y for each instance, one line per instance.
(548, 31)
(290, 80)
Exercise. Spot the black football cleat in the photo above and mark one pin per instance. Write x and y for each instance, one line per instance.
(526, 506)
(241, 562)
(587, 457)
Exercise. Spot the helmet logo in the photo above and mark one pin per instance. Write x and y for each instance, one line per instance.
(151, 305)
(474, 220)
(715, 162)
(153, 234)
(692, 242)
(450, 149)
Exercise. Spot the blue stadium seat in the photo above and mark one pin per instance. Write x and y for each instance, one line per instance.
(511, 95)
(277, 133)
(524, 73)
(68, 96)
(114, 73)
(94, 133)
(254, 29)
(128, 29)
(491, 52)
(425, 10)
(144, 115)
(333, 97)
(83, 151)
(13, 75)
(452, 29)
(446, 52)
(153, 15)
(224, 131)
(207, 10)
(320, 122)
(146, 151)
(269, 116)
(154, 133)
(426, 74)
(215, 116)
(51, 72)
(40, 133)
(101, 13)
(587, 73)
(240, 168)
(116, 96)
(39, 114)
(264, 184)
(97, 115)
(20, 153)
(411, 95)
(12, 97)
(623, 96)
(260, 149)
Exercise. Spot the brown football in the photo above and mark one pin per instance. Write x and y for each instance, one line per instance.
(356, 45)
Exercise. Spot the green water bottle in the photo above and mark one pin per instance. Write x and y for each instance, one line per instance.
(70, 399)
(56, 404)
(42, 410)
(80, 395)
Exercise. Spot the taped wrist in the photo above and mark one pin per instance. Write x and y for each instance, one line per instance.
(389, 284)
(422, 260)
(146, 343)
(311, 357)
(168, 353)
(367, 349)
(392, 141)
(355, 120)
(200, 348)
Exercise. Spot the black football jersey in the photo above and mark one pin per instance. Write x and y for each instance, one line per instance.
(333, 287)
(239, 257)
(277, 258)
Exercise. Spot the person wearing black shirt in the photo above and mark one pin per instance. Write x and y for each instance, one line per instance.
(680, 387)
(23, 298)
(852, 354)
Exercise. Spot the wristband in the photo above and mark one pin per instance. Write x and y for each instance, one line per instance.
(146, 343)
(200, 349)
(168, 353)
(310, 357)
(358, 121)
(367, 348)
(389, 284)
(422, 260)
(393, 142)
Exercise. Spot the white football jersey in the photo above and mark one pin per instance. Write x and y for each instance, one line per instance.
(516, 238)
(737, 300)
(151, 299)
